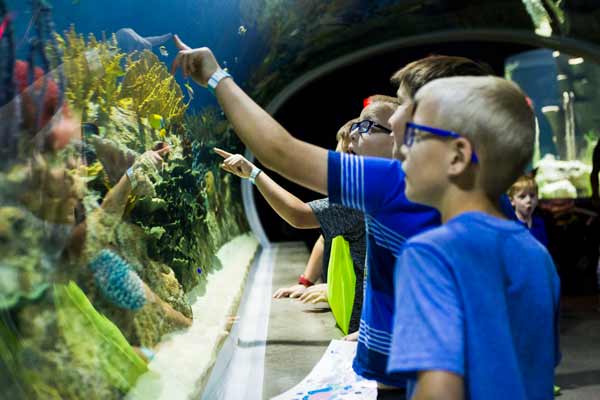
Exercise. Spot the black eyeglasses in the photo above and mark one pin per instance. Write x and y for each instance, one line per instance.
(412, 129)
(364, 127)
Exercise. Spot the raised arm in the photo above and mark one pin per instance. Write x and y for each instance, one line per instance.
(293, 210)
(296, 160)
(115, 200)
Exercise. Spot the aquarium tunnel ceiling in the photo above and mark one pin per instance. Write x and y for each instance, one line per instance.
(333, 93)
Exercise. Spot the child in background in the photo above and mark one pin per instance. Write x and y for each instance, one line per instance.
(524, 198)
(476, 298)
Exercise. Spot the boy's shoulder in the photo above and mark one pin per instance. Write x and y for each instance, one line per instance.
(475, 229)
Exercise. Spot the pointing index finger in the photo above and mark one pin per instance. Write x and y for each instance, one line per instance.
(163, 150)
(180, 45)
(222, 153)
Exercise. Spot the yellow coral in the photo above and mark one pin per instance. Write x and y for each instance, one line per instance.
(209, 180)
(152, 88)
(92, 70)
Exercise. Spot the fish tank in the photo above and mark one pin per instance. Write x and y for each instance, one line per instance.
(561, 89)
(124, 248)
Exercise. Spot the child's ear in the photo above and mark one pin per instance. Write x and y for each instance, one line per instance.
(461, 151)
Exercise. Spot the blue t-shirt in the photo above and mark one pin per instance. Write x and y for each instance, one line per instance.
(538, 229)
(376, 186)
(478, 297)
(506, 208)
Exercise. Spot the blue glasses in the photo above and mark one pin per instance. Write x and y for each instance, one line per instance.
(411, 131)
(365, 126)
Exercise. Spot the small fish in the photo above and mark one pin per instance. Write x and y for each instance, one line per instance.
(242, 30)
(235, 60)
(163, 51)
(156, 121)
(189, 89)
(163, 133)
(225, 63)
(294, 32)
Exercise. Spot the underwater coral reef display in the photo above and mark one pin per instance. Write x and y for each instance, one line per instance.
(106, 222)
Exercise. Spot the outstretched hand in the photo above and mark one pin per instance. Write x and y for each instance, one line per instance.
(235, 163)
(199, 64)
(155, 156)
(315, 294)
(291, 292)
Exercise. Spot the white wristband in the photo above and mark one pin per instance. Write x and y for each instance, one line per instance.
(130, 176)
(215, 78)
(254, 174)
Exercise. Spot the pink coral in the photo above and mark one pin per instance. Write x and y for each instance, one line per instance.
(50, 104)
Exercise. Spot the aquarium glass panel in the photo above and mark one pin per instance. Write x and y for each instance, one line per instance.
(563, 91)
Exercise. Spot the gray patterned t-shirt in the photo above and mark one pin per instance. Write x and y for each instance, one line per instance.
(338, 220)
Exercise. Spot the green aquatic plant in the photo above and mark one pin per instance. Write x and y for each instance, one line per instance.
(94, 341)
(24, 266)
(207, 125)
(189, 223)
(181, 222)
(590, 139)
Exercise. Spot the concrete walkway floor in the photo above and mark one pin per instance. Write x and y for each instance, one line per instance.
(578, 374)
(298, 334)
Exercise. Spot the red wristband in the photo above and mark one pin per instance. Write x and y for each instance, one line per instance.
(305, 282)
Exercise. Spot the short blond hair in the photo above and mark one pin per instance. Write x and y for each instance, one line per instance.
(494, 115)
(344, 131)
(381, 98)
(370, 110)
(524, 182)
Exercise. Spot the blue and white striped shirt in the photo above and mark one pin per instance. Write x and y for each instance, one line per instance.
(376, 187)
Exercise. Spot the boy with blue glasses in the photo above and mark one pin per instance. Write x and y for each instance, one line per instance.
(476, 298)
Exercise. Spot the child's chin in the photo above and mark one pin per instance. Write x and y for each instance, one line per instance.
(410, 194)
(416, 197)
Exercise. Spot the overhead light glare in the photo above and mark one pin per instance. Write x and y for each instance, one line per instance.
(576, 61)
(547, 109)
